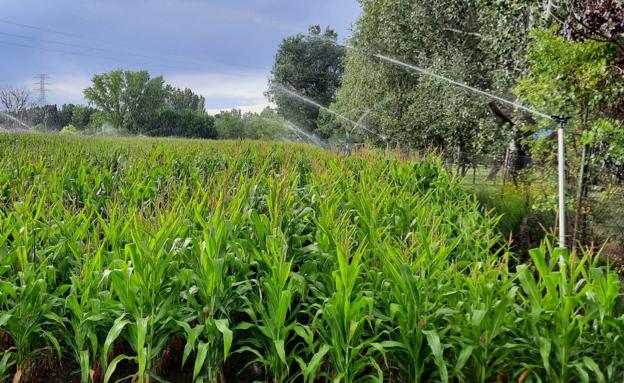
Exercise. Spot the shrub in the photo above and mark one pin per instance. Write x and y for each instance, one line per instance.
(69, 129)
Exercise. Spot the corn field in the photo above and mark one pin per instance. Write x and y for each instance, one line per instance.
(147, 260)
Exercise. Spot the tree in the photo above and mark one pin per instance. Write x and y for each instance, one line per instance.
(230, 125)
(598, 20)
(15, 100)
(179, 99)
(310, 65)
(183, 123)
(479, 43)
(129, 99)
(81, 116)
(54, 118)
(235, 125)
(578, 79)
(47, 116)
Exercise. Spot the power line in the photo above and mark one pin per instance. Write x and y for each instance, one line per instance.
(95, 48)
(86, 54)
(133, 47)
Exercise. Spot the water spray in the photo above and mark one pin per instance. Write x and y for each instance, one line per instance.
(356, 125)
(558, 119)
(300, 133)
(14, 119)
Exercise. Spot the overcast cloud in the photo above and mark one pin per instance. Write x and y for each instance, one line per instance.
(222, 49)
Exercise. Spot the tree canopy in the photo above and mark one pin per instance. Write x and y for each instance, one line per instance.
(578, 79)
(310, 65)
(479, 43)
(127, 98)
(137, 103)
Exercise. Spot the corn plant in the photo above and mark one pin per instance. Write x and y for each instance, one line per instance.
(554, 318)
(413, 312)
(30, 321)
(270, 310)
(145, 288)
(91, 313)
(281, 262)
(345, 317)
(212, 299)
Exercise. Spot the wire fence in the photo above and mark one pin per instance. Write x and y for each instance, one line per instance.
(524, 193)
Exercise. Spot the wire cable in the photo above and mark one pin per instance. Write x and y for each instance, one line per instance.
(87, 55)
(93, 48)
(74, 35)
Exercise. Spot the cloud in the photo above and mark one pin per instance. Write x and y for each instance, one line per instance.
(68, 88)
(253, 108)
(248, 85)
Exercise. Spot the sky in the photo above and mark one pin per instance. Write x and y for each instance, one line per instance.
(222, 49)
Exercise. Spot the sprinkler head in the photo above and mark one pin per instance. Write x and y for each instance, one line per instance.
(560, 119)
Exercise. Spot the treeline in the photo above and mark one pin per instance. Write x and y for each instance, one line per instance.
(127, 102)
(563, 58)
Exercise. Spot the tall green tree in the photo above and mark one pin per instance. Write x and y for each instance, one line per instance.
(480, 43)
(129, 99)
(581, 80)
(183, 123)
(310, 65)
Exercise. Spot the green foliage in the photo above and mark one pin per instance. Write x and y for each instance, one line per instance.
(135, 103)
(476, 43)
(183, 123)
(310, 65)
(280, 263)
(54, 118)
(128, 98)
(178, 99)
(235, 125)
(69, 129)
(577, 79)
(81, 116)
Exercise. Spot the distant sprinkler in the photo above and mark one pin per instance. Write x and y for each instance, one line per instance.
(307, 100)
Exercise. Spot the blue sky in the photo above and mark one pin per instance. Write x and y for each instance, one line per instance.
(223, 49)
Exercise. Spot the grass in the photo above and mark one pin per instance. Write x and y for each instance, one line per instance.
(133, 258)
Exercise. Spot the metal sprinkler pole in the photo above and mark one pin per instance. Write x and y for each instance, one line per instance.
(561, 170)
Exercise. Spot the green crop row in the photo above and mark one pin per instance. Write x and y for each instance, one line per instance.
(143, 259)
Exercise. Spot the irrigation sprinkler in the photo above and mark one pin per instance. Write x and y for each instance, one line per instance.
(559, 119)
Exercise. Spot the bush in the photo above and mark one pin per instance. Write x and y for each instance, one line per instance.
(184, 123)
(69, 129)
